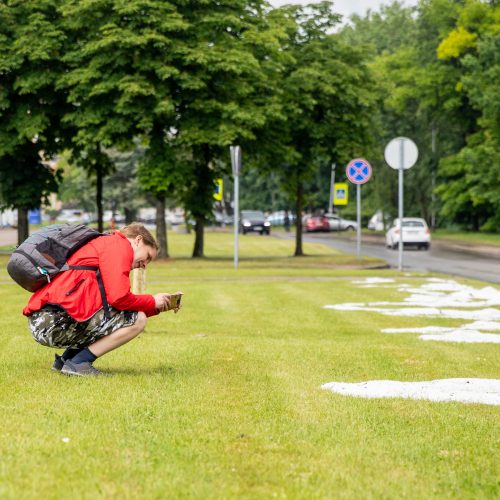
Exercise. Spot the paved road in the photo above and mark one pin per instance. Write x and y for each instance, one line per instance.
(437, 259)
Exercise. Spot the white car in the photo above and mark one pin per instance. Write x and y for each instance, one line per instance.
(415, 232)
(339, 224)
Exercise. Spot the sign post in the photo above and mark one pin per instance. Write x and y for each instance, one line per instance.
(401, 154)
(358, 171)
(332, 187)
(235, 152)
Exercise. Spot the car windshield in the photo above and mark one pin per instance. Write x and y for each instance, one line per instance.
(413, 223)
(248, 214)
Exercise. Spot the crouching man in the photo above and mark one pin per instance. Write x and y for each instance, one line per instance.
(91, 312)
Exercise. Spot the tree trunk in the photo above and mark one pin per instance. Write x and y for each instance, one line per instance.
(204, 192)
(161, 228)
(299, 204)
(99, 182)
(130, 215)
(199, 235)
(23, 230)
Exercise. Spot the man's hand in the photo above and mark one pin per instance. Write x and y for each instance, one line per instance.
(162, 301)
(178, 301)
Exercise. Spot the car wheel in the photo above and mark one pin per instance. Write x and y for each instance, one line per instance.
(350, 228)
(427, 246)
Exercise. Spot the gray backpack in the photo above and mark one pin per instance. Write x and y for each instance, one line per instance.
(45, 253)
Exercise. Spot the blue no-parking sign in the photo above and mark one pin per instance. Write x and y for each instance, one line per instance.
(359, 171)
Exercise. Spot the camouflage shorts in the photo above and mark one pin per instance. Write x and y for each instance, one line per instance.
(54, 327)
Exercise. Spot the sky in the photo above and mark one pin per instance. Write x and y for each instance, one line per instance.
(346, 7)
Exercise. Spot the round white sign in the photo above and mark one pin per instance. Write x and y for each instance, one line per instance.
(401, 152)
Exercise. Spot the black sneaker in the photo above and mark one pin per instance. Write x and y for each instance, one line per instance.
(80, 369)
(58, 363)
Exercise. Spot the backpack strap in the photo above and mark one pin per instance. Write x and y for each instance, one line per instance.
(100, 283)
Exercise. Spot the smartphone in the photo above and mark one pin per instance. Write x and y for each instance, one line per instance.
(175, 301)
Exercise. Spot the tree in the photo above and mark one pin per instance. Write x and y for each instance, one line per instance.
(120, 75)
(30, 44)
(417, 97)
(471, 193)
(326, 102)
(223, 95)
(161, 175)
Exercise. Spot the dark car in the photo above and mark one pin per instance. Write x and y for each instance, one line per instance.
(254, 221)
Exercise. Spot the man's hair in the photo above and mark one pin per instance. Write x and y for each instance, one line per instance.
(137, 229)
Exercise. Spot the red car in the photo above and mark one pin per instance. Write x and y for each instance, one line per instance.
(317, 223)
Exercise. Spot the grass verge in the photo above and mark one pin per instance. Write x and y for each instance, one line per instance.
(223, 400)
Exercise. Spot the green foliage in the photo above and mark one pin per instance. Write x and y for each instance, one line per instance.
(227, 74)
(472, 173)
(118, 57)
(456, 43)
(74, 189)
(30, 108)
(437, 85)
(189, 78)
(326, 95)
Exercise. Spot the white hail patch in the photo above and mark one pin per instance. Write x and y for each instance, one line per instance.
(464, 390)
(374, 280)
(438, 298)
(465, 333)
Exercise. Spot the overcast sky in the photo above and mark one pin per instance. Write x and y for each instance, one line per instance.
(346, 7)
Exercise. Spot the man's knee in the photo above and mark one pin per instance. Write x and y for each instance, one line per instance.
(141, 321)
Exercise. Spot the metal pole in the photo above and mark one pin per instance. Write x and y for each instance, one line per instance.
(400, 210)
(332, 184)
(433, 184)
(236, 217)
(358, 219)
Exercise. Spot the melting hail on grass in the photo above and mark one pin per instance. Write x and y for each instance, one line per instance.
(436, 298)
(463, 390)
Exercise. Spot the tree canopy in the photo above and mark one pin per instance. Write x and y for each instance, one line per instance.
(161, 89)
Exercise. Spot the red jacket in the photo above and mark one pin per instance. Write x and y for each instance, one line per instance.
(77, 291)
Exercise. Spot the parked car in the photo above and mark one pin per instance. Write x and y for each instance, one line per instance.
(415, 232)
(316, 223)
(338, 224)
(73, 216)
(254, 221)
(278, 218)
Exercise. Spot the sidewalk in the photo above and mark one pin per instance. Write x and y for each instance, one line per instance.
(8, 236)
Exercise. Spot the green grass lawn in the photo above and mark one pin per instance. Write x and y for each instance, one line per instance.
(468, 237)
(223, 400)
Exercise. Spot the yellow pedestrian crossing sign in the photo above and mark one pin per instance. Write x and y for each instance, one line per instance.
(340, 193)
(218, 191)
